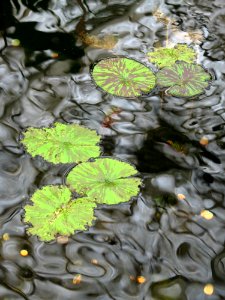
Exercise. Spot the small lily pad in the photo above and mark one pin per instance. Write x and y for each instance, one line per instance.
(165, 57)
(54, 212)
(106, 180)
(63, 143)
(183, 79)
(123, 77)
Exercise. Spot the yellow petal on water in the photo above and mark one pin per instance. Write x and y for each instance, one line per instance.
(181, 196)
(206, 214)
(77, 279)
(208, 289)
(204, 141)
(15, 43)
(23, 252)
(141, 279)
(6, 237)
(94, 261)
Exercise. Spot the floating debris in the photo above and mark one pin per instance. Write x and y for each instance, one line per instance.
(204, 141)
(15, 43)
(141, 279)
(77, 279)
(181, 196)
(23, 252)
(206, 214)
(208, 289)
(5, 237)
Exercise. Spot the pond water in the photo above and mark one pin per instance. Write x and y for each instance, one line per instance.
(165, 244)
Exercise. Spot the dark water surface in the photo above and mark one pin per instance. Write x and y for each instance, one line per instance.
(156, 247)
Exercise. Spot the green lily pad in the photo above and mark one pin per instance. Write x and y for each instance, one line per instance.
(106, 180)
(123, 77)
(54, 212)
(165, 57)
(183, 79)
(63, 143)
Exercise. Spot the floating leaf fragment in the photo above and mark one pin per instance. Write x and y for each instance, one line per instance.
(63, 143)
(106, 180)
(165, 57)
(55, 213)
(123, 77)
(183, 79)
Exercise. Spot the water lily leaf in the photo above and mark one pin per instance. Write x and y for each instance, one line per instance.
(123, 77)
(106, 180)
(62, 143)
(183, 79)
(54, 212)
(165, 57)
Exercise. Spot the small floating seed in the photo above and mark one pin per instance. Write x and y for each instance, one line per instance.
(62, 239)
(77, 279)
(23, 252)
(208, 289)
(6, 237)
(206, 214)
(204, 141)
(141, 279)
(15, 42)
(181, 196)
(94, 261)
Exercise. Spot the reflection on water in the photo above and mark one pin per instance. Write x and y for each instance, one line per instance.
(169, 243)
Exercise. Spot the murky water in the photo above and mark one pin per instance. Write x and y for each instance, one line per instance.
(159, 245)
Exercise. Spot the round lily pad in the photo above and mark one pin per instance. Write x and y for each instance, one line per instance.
(183, 79)
(165, 57)
(53, 212)
(63, 143)
(123, 77)
(106, 180)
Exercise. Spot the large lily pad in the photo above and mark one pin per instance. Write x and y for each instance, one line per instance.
(54, 212)
(123, 77)
(106, 180)
(165, 57)
(183, 79)
(62, 143)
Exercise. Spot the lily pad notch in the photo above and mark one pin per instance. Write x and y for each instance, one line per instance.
(123, 77)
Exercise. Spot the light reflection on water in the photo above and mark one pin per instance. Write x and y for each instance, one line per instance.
(159, 246)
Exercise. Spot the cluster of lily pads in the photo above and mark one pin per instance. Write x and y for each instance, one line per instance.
(178, 74)
(63, 209)
(94, 180)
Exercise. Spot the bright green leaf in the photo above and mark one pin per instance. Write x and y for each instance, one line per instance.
(165, 57)
(123, 77)
(63, 143)
(54, 212)
(183, 79)
(106, 180)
